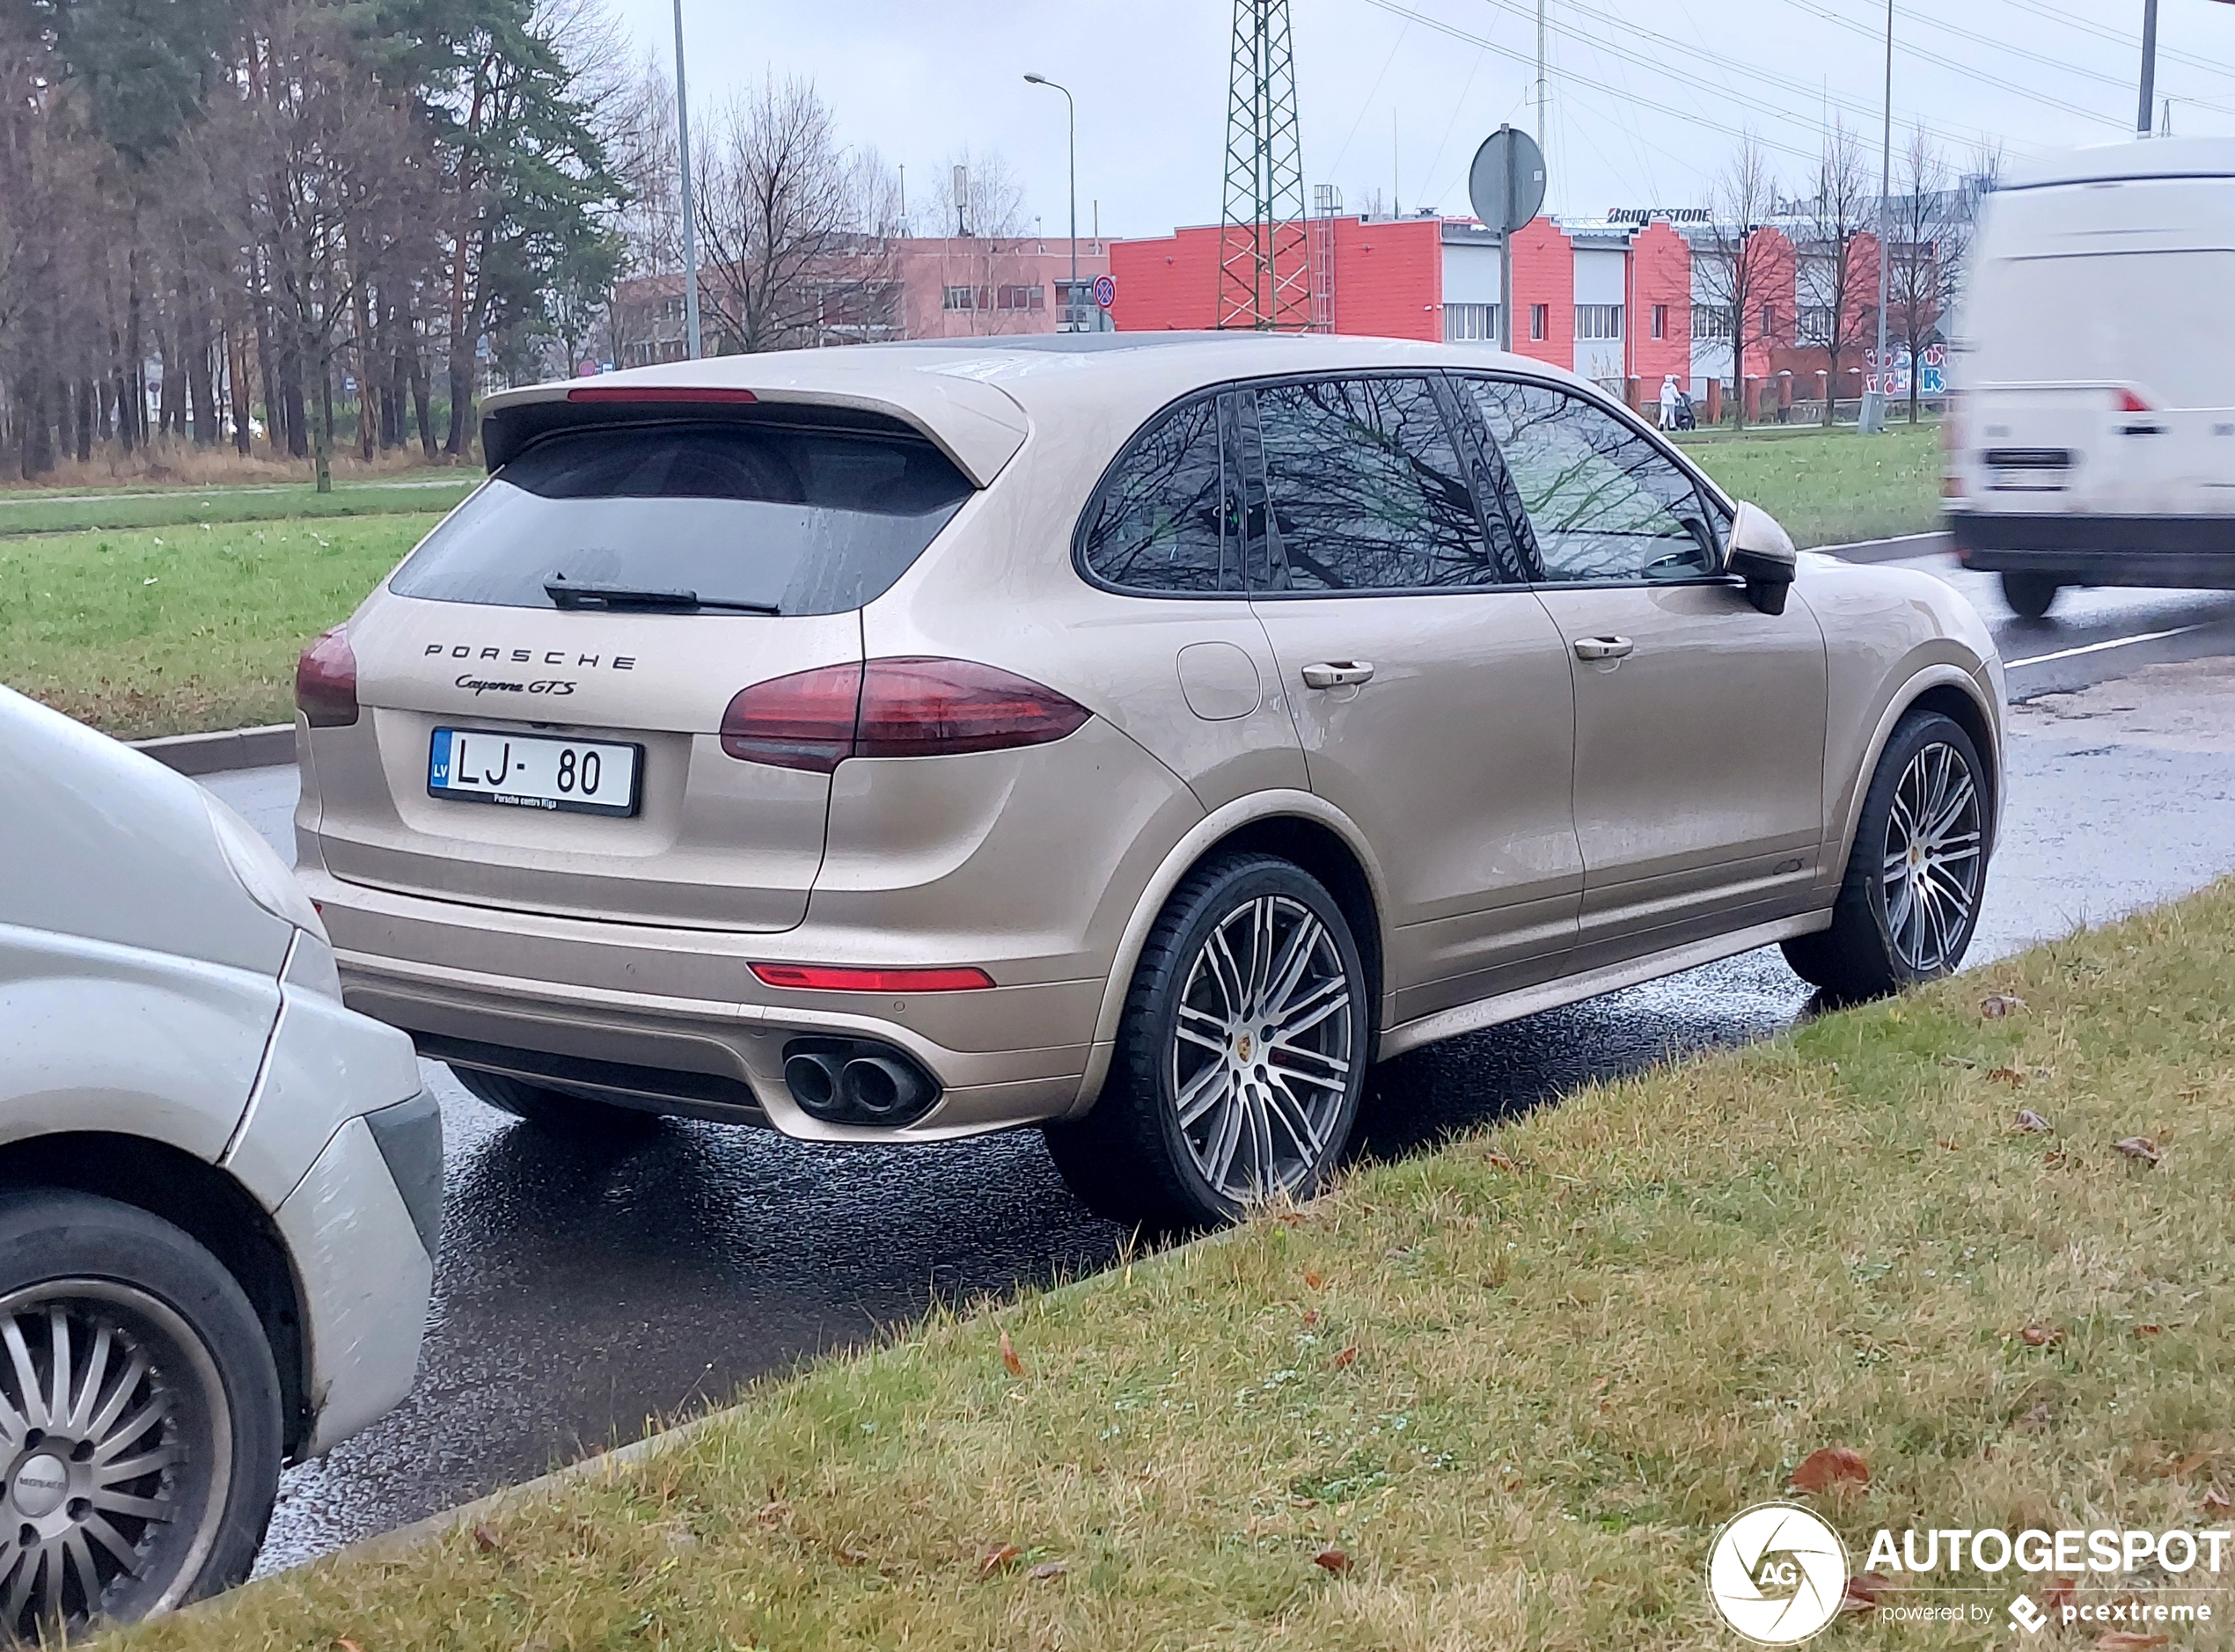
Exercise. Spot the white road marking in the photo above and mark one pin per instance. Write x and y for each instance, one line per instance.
(2098, 647)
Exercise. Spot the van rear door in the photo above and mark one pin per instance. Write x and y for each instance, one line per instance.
(2100, 381)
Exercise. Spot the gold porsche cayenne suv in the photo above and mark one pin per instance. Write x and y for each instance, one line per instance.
(1133, 736)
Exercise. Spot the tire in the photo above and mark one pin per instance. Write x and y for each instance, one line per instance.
(1883, 936)
(2030, 596)
(1138, 1157)
(107, 1287)
(555, 1111)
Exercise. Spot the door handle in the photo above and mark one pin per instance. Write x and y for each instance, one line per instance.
(1338, 674)
(1604, 648)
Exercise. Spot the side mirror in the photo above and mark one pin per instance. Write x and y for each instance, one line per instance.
(1762, 554)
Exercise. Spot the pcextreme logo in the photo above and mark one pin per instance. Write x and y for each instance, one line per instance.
(1777, 1573)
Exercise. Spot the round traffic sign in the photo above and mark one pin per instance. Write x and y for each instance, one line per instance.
(1506, 182)
(1105, 291)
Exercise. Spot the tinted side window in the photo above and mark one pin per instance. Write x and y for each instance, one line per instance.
(1368, 492)
(1161, 522)
(1604, 501)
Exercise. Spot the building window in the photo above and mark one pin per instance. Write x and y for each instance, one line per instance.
(1768, 321)
(1598, 321)
(1815, 324)
(1540, 320)
(1661, 321)
(1470, 324)
(1022, 298)
(1711, 321)
(965, 298)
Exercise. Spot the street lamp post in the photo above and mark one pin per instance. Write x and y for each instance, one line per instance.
(2149, 66)
(690, 235)
(1073, 109)
(1870, 417)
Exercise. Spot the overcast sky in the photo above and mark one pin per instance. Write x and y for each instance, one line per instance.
(1646, 95)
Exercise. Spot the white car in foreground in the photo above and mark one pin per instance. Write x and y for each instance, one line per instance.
(220, 1191)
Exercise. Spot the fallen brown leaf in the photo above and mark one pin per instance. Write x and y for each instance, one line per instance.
(1347, 1358)
(2148, 1330)
(1995, 1006)
(1331, 1559)
(849, 1557)
(2190, 1463)
(2140, 1148)
(1009, 1361)
(2041, 1335)
(485, 1540)
(2059, 1593)
(2029, 1122)
(2217, 1502)
(1313, 1279)
(2010, 1076)
(1311, 1316)
(1498, 1161)
(1047, 1569)
(1863, 1590)
(2127, 1641)
(1830, 1465)
(345, 1644)
(999, 1560)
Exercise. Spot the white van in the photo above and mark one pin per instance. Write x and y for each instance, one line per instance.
(2091, 435)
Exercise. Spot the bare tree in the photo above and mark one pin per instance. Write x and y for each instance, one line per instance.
(1730, 270)
(1926, 222)
(1833, 279)
(782, 213)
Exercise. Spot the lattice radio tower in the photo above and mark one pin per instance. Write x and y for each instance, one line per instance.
(1265, 257)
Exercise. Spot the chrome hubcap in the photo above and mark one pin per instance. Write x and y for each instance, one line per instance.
(1935, 857)
(1262, 1055)
(107, 1400)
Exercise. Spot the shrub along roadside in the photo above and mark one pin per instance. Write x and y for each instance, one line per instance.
(1498, 1395)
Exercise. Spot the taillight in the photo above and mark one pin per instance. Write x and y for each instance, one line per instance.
(326, 682)
(2130, 403)
(920, 708)
(801, 721)
(901, 707)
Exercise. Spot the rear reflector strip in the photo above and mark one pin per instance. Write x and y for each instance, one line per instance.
(656, 395)
(836, 978)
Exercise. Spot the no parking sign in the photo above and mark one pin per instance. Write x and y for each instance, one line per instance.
(1105, 291)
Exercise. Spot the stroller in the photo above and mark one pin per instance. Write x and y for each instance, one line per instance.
(1685, 420)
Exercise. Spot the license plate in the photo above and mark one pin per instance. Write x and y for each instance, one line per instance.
(582, 777)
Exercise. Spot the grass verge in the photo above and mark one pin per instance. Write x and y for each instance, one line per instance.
(1830, 487)
(177, 630)
(1516, 1384)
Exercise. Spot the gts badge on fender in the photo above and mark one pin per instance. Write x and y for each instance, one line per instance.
(555, 687)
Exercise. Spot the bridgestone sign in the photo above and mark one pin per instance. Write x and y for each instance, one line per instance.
(1647, 214)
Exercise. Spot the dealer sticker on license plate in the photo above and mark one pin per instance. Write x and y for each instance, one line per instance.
(534, 771)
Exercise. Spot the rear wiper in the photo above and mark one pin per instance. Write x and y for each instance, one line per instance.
(566, 593)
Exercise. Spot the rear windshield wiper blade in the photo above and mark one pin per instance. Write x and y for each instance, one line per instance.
(566, 593)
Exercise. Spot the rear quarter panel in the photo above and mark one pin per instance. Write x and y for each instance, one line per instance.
(1890, 635)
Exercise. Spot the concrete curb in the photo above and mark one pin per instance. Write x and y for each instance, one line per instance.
(389, 1546)
(1898, 549)
(228, 749)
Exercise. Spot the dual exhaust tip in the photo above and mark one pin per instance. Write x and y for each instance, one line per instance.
(857, 1081)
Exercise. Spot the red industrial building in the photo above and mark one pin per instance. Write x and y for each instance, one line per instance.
(1626, 303)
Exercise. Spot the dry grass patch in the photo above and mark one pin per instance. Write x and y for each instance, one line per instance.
(1515, 1385)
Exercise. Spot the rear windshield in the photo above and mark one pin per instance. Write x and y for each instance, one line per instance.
(805, 522)
(2157, 319)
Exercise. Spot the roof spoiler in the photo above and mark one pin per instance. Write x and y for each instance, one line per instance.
(974, 424)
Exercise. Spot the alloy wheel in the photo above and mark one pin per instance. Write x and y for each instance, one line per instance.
(1263, 1048)
(1935, 856)
(116, 1439)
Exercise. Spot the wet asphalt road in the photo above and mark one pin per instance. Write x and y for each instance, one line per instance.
(580, 1296)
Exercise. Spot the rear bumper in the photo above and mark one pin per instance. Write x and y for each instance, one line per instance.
(2180, 552)
(711, 1043)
